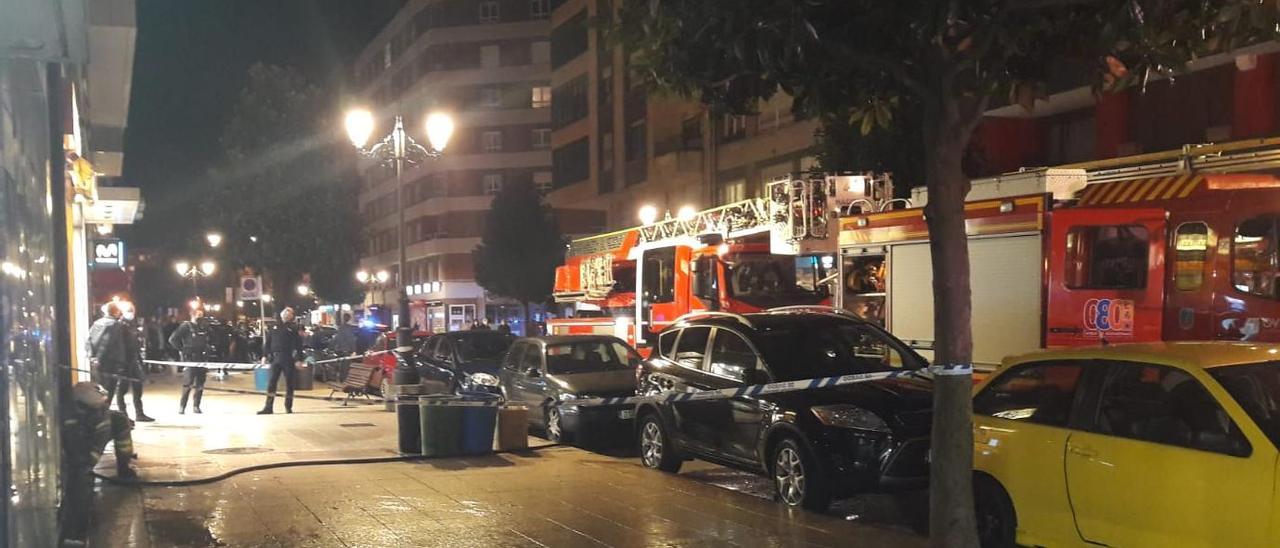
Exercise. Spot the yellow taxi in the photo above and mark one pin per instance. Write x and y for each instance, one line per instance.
(1171, 444)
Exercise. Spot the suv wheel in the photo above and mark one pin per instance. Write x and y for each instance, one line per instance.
(997, 522)
(656, 450)
(798, 478)
(385, 388)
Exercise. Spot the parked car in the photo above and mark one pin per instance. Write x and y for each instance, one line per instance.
(538, 371)
(386, 361)
(815, 444)
(1171, 444)
(466, 361)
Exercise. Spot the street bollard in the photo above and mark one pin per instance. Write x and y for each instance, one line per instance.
(408, 424)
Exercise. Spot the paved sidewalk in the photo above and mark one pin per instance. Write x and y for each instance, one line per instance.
(231, 435)
(558, 496)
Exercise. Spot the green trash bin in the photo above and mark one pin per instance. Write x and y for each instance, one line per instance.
(441, 426)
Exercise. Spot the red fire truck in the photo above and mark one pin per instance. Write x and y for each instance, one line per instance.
(1171, 246)
(742, 257)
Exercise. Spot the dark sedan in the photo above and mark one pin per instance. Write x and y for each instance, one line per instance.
(815, 444)
(466, 361)
(539, 371)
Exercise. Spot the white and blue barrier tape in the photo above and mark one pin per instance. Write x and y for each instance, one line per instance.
(246, 366)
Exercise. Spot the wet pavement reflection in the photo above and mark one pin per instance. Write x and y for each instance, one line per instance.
(558, 496)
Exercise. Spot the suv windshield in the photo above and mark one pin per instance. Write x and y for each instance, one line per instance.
(824, 348)
(1257, 389)
(587, 357)
(767, 281)
(486, 346)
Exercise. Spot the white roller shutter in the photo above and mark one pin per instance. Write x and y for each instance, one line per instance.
(1005, 279)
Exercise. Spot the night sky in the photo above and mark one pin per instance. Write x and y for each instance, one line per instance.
(191, 61)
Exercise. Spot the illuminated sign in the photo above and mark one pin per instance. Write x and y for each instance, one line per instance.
(107, 254)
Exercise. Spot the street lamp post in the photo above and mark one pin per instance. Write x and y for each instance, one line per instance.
(397, 149)
(195, 272)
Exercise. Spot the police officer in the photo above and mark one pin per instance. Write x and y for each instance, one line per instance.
(283, 347)
(86, 430)
(193, 343)
(133, 372)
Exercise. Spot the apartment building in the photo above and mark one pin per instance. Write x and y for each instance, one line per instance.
(616, 147)
(487, 63)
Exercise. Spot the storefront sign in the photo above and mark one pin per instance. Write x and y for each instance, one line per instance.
(107, 254)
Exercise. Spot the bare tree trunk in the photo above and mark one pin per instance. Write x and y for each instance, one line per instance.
(951, 517)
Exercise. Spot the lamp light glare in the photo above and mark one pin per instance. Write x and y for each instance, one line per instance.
(214, 239)
(439, 130)
(362, 276)
(359, 125)
(686, 213)
(383, 276)
(183, 267)
(648, 214)
(208, 267)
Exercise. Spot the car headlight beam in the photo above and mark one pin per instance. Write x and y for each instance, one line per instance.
(849, 416)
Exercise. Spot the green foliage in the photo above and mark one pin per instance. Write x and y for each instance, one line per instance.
(521, 246)
(287, 181)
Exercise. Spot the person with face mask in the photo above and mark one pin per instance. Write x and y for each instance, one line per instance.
(107, 345)
(132, 373)
(194, 344)
(283, 347)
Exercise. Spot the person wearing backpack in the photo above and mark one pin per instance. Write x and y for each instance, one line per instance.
(107, 345)
(194, 345)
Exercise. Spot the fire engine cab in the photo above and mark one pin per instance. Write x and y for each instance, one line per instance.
(746, 256)
(1183, 245)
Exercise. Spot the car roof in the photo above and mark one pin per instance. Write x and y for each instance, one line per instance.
(1185, 355)
(770, 319)
(568, 339)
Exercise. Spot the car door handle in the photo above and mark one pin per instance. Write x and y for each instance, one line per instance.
(1082, 451)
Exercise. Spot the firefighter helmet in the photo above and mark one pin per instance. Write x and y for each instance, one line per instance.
(91, 395)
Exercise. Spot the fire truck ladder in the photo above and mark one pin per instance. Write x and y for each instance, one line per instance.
(1251, 155)
(737, 219)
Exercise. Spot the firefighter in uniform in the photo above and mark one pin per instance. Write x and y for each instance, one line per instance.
(193, 342)
(87, 428)
(283, 346)
(133, 372)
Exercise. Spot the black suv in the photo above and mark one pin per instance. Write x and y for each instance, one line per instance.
(815, 444)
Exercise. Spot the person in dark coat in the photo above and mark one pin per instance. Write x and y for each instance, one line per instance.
(133, 372)
(283, 348)
(194, 344)
(107, 345)
(345, 342)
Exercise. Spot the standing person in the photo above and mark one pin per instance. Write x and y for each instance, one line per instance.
(283, 347)
(194, 345)
(344, 343)
(133, 372)
(107, 345)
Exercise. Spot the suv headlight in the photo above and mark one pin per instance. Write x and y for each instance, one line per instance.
(849, 416)
(565, 396)
(484, 379)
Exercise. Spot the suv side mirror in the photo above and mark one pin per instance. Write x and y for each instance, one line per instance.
(532, 373)
(754, 376)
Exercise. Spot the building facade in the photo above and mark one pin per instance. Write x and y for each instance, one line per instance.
(486, 63)
(65, 68)
(1224, 97)
(617, 147)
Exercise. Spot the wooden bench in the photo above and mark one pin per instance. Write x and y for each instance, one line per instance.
(362, 380)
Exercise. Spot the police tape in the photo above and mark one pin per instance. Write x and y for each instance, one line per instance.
(247, 366)
(744, 391)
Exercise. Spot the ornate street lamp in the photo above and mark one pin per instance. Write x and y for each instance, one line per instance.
(397, 149)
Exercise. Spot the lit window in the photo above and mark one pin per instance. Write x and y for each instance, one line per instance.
(490, 97)
(1191, 248)
(491, 141)
(541, 137)
(489, 12)
(541, 96)
(542, 181)
(1257, 263)
(492, 183)
(540, 9)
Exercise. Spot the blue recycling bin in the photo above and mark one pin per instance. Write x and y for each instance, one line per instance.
(261, 377)
(478, 423)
